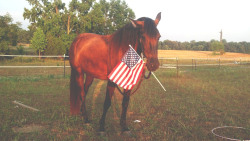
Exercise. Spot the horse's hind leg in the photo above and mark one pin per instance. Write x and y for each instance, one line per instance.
(88, 82)
(76, 86)
(77, 93)
(107, 103)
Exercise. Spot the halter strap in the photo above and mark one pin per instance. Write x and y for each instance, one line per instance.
(138, 86)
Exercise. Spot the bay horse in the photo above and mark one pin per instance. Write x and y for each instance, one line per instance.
(96, 56)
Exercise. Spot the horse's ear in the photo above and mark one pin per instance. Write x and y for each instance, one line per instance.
(158, 18)
(137, 23)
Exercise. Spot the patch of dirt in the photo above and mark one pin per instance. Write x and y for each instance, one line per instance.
(28, 128)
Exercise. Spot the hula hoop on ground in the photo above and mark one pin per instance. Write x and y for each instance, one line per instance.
(227, 137)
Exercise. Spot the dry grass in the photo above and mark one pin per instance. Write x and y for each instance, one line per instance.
(185, 54)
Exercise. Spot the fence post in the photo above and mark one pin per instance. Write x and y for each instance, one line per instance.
(192, 63)
(177, 67)
(64, 64)
(219, 62)
(195, 64)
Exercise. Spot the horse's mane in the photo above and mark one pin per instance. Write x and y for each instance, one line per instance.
(125, 36)
(130, 35)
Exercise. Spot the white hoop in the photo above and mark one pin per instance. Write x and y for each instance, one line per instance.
(227, 137)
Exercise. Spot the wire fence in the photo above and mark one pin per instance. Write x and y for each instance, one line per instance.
(165, 63)
(198, 62)
(41, 56)
(35, 66)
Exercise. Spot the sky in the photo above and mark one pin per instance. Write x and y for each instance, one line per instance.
(181, 20)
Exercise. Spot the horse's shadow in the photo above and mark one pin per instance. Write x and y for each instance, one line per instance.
(94, 106)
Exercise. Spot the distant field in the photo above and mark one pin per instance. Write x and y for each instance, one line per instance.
(185, 54)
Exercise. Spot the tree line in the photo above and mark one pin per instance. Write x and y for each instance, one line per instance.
(213, 45)
(53, 25)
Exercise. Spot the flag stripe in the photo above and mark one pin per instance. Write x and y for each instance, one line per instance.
(117, 70)
(133, 80)
(137, 74)
(119, 73)
(126, 79)
(126, 71)
(112, 74)
(132, 77)
(137, 77)
(119, 76)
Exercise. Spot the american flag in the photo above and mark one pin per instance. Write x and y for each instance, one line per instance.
(127, 73)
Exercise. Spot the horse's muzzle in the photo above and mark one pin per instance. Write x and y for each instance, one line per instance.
(152, 64)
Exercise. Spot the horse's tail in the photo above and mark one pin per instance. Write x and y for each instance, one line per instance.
(75, 90)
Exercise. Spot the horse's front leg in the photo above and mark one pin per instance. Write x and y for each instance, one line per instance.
(125, 103)
(107, 103)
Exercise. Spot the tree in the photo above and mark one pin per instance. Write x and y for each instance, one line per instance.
(8, 33)
(217, 46)
(96, 19)
(77, 15)
(118, 14)
(51, 19)
(70, 20)
(24, 36)
(38, 41)
(62, 23)
(4, 47)
(186, 46)
(160, 45)
(4, 27)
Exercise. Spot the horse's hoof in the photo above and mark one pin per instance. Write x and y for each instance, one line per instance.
(126, 133)
(101, 133)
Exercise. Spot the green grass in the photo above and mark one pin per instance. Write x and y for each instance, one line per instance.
(194, 104)
(198, 101)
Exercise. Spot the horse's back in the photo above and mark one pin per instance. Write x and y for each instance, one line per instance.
(89, 53)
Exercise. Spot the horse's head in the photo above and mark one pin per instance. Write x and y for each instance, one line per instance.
(148, 41)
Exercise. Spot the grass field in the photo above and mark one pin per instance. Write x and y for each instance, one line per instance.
(194, 104)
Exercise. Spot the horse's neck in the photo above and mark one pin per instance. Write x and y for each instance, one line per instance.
(117, 51)
(123, 46)
(122, 38)
(122, 49)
